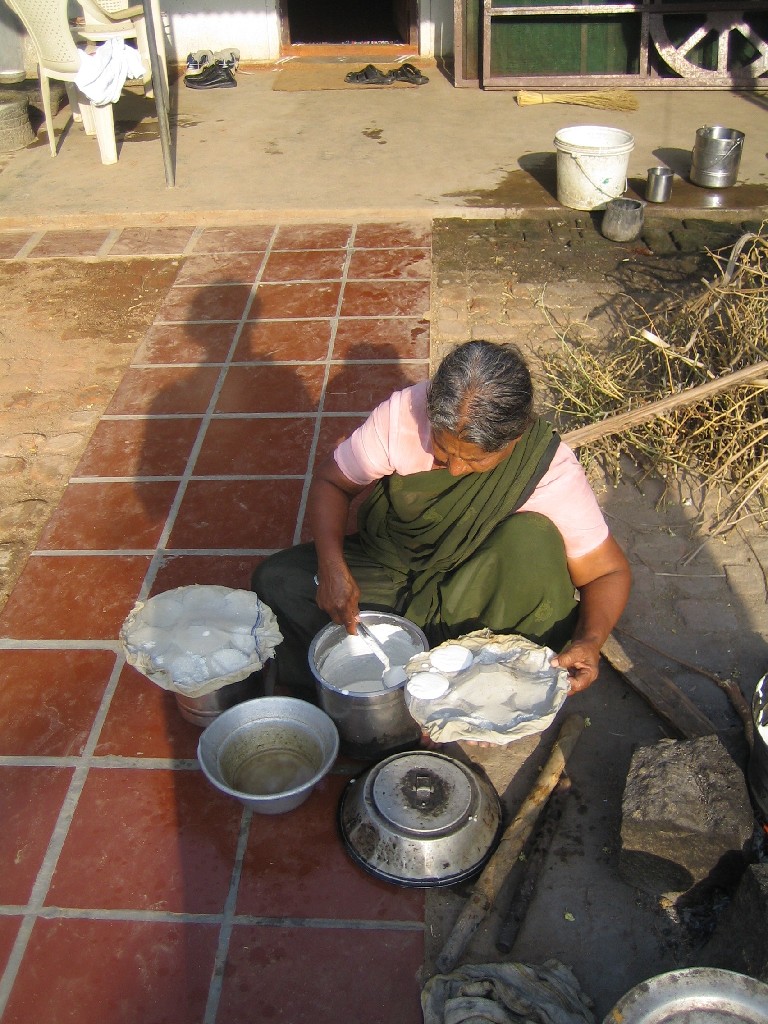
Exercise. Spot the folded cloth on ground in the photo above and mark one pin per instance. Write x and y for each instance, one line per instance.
(506, 993)
(103, 74)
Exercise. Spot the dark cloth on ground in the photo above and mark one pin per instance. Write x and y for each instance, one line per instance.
(506, 993)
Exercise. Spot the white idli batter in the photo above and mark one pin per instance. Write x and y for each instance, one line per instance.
(352, 666)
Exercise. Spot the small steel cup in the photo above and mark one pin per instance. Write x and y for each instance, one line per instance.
(659, 185)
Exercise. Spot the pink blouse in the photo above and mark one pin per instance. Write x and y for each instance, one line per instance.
(397, 438)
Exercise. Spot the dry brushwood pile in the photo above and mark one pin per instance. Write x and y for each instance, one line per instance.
(721, 438)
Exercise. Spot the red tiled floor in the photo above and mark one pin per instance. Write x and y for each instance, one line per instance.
(251, 239)
(281, 339)
(271, 389)
(151, 240)
(144, 721)
(315, 877)
(70, 243)
(30, 801)
(361, 386)
(221, 268)
(139, 448)
(49, 699)
(312, 236)
(328, 976)
(9, 929)
(386, 298)
(148, 840)
(109, 516)
(237, 514)
(163, 391)
(216, 570)
(372, 264)
(322, 265)
(205, 302)
(73, 597)
(186, 343)
(333, 430)
(392, 236)
(256, 446)
(124, 972)
(293, 301)
(385, 338)
(149, 835)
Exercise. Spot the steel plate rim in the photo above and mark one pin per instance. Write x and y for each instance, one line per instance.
(665, 998)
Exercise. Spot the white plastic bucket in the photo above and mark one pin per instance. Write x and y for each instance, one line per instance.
(591, 165)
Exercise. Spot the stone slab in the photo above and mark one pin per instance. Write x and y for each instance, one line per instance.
(686, 819)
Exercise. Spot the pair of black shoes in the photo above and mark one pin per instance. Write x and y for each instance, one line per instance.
(371, 75)
(212, 71)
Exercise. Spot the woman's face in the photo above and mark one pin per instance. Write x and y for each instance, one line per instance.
(461, 457)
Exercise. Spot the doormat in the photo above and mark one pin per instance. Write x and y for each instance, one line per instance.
(322, 76)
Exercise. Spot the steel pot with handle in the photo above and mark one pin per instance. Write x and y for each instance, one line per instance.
(371, 715)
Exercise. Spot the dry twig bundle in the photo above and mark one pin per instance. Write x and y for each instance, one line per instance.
(724, 439)
(606, 99)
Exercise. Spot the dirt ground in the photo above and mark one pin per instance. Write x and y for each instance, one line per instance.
(69, 329)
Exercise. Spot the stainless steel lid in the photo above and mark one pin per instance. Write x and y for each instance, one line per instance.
(420, 818)
(423, 796)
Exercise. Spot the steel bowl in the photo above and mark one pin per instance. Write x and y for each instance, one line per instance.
(420, 818)
(269, 753)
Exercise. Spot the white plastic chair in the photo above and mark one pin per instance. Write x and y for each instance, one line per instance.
(105, 19)
(59, 59)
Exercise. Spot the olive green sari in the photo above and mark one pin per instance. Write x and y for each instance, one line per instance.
(462, 558)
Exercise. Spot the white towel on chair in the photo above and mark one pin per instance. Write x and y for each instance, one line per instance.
(103, 74)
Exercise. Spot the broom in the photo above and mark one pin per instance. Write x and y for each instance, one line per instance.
(608, 99)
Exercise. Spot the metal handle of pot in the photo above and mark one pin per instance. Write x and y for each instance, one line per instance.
(423, 789)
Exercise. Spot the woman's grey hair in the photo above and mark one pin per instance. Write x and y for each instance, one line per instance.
(482, 394)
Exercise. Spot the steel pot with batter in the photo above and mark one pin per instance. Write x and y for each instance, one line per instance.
(369, 712)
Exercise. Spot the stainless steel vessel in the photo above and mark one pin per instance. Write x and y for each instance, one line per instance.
(694, 995)
(659, 185)
(716, 157)
(269, 753)
(371, 724)
(420, 818)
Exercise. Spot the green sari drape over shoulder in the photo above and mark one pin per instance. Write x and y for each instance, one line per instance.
(425, 526)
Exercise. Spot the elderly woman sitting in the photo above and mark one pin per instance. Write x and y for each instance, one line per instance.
(480, 517)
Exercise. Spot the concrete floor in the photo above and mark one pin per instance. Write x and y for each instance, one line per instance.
(249, 154)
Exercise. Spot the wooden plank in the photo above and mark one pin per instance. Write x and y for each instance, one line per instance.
(666, 698)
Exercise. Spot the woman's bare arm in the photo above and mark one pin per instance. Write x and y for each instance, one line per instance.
(603, 578)
(329, 499)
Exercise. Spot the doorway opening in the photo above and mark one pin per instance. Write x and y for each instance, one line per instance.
(309, 23)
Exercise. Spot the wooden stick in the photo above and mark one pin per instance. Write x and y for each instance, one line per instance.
(667, 700)
(541, 840)
(633, 418)
(512, 842)
(728, 686)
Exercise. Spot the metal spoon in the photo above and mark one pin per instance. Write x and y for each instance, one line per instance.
(374, 644)
(393, 675)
